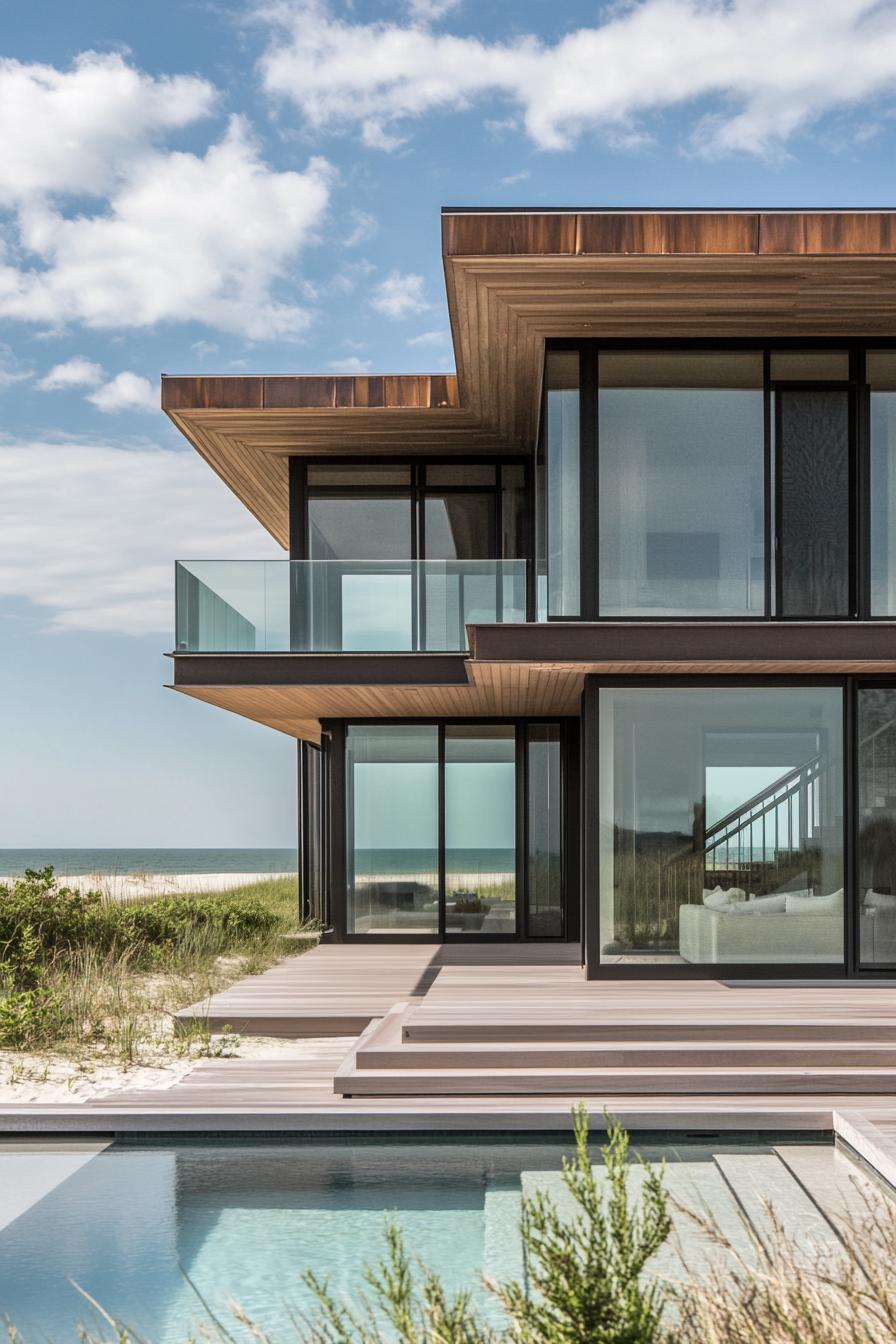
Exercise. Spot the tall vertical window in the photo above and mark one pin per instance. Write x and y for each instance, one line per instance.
(721, 824)
(393, 828)
(544, 834)
(681, 451)
(480, 828)
(881, 374)
(562, 470)
(876, 730)
(813, 493)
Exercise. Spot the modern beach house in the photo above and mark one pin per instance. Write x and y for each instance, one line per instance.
(593, 642)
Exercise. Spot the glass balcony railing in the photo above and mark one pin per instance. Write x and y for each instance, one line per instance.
(342, 606)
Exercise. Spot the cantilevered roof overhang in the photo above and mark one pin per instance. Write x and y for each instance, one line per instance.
(522, 670)
(518, 277)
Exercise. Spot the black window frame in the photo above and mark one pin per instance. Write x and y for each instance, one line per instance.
(859, 468)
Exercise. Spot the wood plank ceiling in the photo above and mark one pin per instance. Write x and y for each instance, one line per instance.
(515, 279)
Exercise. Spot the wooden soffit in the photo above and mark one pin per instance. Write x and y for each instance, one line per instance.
(517, 278)
(535, 670)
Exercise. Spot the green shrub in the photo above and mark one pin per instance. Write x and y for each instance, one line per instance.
(48, 933)
(41, 921)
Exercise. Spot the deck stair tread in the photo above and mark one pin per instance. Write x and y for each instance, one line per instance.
(587, 1081)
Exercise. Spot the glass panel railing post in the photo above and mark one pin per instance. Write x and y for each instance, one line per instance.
(299, 606)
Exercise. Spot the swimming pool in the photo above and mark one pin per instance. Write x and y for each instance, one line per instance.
(244, 1219)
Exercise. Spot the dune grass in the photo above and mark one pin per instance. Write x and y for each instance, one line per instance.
(82, 973)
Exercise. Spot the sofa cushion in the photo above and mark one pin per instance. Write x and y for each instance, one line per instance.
(879, 900)
(720, 899)
(762, 905)
(799, 903)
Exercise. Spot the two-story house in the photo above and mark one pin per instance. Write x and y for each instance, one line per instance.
(594, 641)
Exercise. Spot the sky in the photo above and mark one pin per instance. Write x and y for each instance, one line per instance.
(192, 186)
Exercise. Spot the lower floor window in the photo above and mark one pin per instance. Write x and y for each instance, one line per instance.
(454, 829)
(721, 825)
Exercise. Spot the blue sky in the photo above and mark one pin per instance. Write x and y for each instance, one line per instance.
(228, 187)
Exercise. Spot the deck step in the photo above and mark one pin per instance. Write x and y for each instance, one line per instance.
(649, 1029)
(697, 1081)
(380, 1052)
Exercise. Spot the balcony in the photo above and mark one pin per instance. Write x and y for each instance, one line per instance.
(342, 606)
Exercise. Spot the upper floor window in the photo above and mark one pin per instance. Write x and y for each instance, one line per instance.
(711, 482)
(681, 447)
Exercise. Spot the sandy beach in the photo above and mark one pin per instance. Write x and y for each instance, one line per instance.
(130, 886)
(45, 1080)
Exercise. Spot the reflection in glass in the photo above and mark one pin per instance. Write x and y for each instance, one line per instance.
(392, 786)
(459, 526)
(881, 366)
(313, 893)
(876, 727)
(681, 461)
(359, 528)
(721, 824)
(813, 501)
(480, 829)
(544, 915)
(562, 415)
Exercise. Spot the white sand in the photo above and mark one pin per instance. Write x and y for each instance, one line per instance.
(127, 886)
(45, 1080)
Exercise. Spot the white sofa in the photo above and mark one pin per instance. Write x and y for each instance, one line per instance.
(712, 937)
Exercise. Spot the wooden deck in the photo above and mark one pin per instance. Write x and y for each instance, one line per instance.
(506, 1038)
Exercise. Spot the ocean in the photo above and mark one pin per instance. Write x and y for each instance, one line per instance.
(71, 862)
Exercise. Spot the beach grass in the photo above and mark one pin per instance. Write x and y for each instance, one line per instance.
(89, 976)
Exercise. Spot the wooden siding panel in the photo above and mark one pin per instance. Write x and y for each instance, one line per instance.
(829, 233)
(667, 234)
(508, 235)
(188, 394)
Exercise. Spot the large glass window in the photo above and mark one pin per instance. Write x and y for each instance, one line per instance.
(560, 481)
(876, 730)
(480, 828)
(681, 468)
(544, 834)
(881, 373)
(393, 828)
(721, 825)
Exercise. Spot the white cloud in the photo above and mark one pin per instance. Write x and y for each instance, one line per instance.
(399, 295)
(203, 348)
(521, 176)
(73, 131)
(428, 10)
(79, 371)
(12, 369)
(364, 226)
(126, 392)
(350, 364)
(172, 236)
(766, 69)
(108, 523)
(430, 338)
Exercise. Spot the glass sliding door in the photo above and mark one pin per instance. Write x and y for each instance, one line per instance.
(392, 826)
(721, 825)
(813, 500)
(681, 452)
(544, 831)
(876, 772)
(480, 829)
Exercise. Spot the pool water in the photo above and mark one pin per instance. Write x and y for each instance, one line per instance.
(136, 1226)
